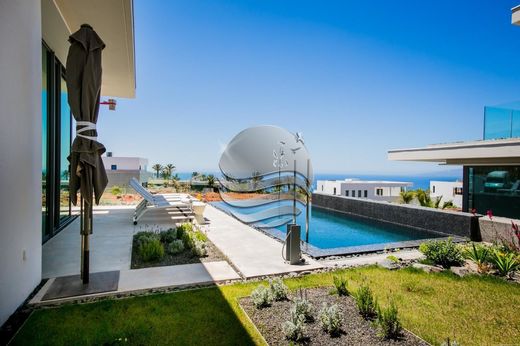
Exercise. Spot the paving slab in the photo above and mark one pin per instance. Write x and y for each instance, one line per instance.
(179, 275)
(252, 252)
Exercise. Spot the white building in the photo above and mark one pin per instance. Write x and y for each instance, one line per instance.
(448, 190)
(375, 190)
(121, 169)
(120, 163)
(35, 142)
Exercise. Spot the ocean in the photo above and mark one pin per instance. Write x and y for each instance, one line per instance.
(419, 181)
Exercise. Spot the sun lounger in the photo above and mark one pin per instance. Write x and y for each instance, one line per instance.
(181, 208)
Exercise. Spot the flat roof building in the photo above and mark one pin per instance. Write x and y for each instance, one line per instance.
(375, 190)
(491, 166)
(37, 128)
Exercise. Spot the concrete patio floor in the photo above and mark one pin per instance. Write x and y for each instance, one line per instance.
(252, 252)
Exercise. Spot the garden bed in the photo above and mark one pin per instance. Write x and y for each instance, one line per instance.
(186, 256)
(355, 329)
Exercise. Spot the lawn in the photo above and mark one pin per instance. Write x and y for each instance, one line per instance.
(472, 310)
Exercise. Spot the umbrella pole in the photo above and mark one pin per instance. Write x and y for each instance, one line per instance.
(81, 231)
(86, 227)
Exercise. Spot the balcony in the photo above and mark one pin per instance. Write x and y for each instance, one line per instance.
(502, 122)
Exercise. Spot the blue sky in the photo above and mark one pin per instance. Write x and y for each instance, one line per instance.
(356, 77)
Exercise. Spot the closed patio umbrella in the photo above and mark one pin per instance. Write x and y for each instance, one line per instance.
(88, 174)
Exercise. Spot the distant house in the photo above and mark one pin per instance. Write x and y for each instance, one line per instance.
(448, 191)
(375, 190)
(121, 169)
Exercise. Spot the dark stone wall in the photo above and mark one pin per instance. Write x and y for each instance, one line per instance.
(428, 219)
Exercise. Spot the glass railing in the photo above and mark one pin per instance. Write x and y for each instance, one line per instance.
(501, 122)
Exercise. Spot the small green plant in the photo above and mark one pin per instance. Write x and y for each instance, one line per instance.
(152, 250)
(442, 252)
(303, 307)
(294, 329)
(505, 263)
(366, 302)
(388, 322)
(175, 247)
(168, 236)
(116, 190)
(144, 237)
(340, 282)
(199, 249)
(478, 254)
(278, 289)
(393, 259)
(261, 297)
(331, 319)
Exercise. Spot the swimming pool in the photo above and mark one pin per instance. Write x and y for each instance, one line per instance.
(332, 233)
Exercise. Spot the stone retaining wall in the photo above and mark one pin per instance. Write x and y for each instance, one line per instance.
(428, 219)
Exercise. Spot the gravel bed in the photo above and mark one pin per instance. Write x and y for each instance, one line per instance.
(185, 257)
(355, 330)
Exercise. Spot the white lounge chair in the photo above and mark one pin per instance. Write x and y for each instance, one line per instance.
(180, 208)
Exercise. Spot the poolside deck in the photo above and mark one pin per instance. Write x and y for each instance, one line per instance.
(252, 252)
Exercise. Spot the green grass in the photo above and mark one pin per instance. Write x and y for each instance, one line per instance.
(472, 310)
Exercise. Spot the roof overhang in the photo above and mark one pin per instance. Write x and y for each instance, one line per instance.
(496, 152)
(515, 15)
(113, 20)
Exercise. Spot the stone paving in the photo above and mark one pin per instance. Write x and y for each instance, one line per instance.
(252, 252)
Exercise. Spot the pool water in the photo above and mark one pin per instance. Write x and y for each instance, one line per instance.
(328, 229)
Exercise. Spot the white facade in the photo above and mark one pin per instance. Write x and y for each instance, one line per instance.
(375, 190)
(20, 160)
(23, 25)
(114, 163)
(448, 190)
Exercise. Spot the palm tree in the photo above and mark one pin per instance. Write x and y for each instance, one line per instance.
(169, 168)
(211, 180)
(157, 168)
(165, 174)
(407, 196)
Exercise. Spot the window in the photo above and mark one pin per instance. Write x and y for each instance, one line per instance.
(359, 193)
(321, 187)
(433, 188)
(56, 143)
(334, 190)
(495, 188)
(379, 192)
(365, 194)
(346, 193)
(457, 190)
(353, 193)
(113, 167)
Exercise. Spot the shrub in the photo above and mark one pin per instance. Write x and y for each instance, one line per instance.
(116, 190)
(505, 263)
(366, 302)
(388, 322)
(144, 237)
(294, 329)
(478, 254)
(331, 319)
(393, 259)
(261, 297)
(340, 282)
(152, 250)
(304, 308)
(199, 249)
(168, 236)
(278, 289)
(442, 252)
(175, 247)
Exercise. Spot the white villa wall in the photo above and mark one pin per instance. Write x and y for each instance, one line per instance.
(20, 160)
(391, 190)
(446, 190)
(125, 163)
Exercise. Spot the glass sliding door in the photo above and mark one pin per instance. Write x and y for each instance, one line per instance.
(65, 143)
(56, 144)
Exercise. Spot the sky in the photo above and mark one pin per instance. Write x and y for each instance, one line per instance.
(357, 78)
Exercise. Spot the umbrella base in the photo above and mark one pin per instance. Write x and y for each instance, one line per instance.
(72, 286)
